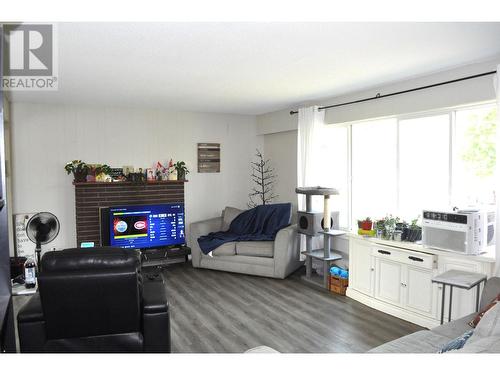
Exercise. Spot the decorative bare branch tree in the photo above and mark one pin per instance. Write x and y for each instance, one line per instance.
(264, 178)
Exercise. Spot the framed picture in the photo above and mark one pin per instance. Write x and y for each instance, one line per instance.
(150, 174)
(208, 157)
(128, 169)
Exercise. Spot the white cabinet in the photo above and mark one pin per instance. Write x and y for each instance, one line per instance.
(404, 278)
(420, 293)
(388, 280)
(398, 279)
(361, 267)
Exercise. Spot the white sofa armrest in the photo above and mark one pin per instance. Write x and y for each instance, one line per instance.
(198, 229)
(286, 252)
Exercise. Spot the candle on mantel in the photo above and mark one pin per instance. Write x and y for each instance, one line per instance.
(326, 213)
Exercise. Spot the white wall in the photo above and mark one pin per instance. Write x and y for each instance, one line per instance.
(45, 137)
(281, 149)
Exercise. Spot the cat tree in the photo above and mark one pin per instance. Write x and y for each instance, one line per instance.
(325, 255)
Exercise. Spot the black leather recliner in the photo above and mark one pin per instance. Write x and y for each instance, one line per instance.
(95, 300)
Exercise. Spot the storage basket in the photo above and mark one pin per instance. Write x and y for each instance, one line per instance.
(338, 285)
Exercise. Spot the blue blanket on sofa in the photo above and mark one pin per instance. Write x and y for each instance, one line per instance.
(257, 224)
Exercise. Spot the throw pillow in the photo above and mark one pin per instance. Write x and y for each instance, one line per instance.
(457, 343)
(474, 322)
(228, 216)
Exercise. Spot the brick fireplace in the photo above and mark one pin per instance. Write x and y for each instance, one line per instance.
(89, 196)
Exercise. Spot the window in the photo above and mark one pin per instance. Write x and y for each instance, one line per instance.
(405, 164)
(374, 165)
(424, 163)
(474, 156)
(334, 151)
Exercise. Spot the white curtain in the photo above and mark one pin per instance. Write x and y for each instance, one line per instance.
(309, 163)
(497, 188)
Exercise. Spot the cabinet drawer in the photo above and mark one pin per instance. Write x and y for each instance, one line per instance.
(414, 258)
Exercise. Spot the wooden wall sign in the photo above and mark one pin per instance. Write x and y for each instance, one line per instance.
(208, 157)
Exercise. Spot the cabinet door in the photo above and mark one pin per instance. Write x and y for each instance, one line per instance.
(419, 291)
(361, 267)
(463, 301)
(388, 280)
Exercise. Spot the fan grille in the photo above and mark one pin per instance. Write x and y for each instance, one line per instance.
(42, 228)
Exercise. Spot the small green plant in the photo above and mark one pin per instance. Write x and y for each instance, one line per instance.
(106, 169)
(76, 166)
(380, 224)
(79, 169)
(414, 225)
(389, 226)
(181, 169)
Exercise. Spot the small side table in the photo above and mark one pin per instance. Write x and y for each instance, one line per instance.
(460, 279)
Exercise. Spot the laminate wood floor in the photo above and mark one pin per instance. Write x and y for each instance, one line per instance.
(222, 312)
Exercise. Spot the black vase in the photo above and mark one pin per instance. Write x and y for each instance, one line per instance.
(414, 235)
(80, 176)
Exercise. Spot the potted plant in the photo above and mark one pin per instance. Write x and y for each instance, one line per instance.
(401, 231)
(79, 170)
(380, 227)
(101, 171)
(390, 226)
(365, 224)
(96, 170)
(181, 169)
(414, 231)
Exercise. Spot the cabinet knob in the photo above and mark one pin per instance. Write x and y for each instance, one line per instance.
(403, 284)
(372, 269)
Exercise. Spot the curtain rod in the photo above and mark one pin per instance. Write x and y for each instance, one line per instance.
(378, 96)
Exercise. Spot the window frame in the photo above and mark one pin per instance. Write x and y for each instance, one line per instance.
(450, 112)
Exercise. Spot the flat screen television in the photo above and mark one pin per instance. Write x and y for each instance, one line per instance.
(143, 226)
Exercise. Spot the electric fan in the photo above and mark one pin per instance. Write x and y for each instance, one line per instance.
(41, 229)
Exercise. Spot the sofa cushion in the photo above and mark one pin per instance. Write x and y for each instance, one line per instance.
(229, 248)
(484, 345)
(255, 248)
(455, 328)
(489, 325)
(418, 342)
(474, 322)
(490, 291)
(228, 216)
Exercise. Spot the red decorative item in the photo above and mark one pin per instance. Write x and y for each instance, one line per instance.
(366, 225)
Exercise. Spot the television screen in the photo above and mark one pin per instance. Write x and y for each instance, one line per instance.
(145, 226)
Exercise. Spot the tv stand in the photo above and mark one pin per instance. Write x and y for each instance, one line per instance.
(164, 256)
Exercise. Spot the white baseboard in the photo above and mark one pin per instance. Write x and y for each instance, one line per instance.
(391, 309)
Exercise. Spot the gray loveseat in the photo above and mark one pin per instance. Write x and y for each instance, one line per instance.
(277, 258)
(430, 341)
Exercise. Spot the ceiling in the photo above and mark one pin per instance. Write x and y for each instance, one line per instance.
(250, 68)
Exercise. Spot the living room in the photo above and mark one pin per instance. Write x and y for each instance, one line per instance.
(165, 189)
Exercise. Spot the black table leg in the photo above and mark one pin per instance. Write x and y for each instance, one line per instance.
(449, 308)
(477, 296)
(442, 303)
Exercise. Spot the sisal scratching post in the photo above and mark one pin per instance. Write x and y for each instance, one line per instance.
(326, 213)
